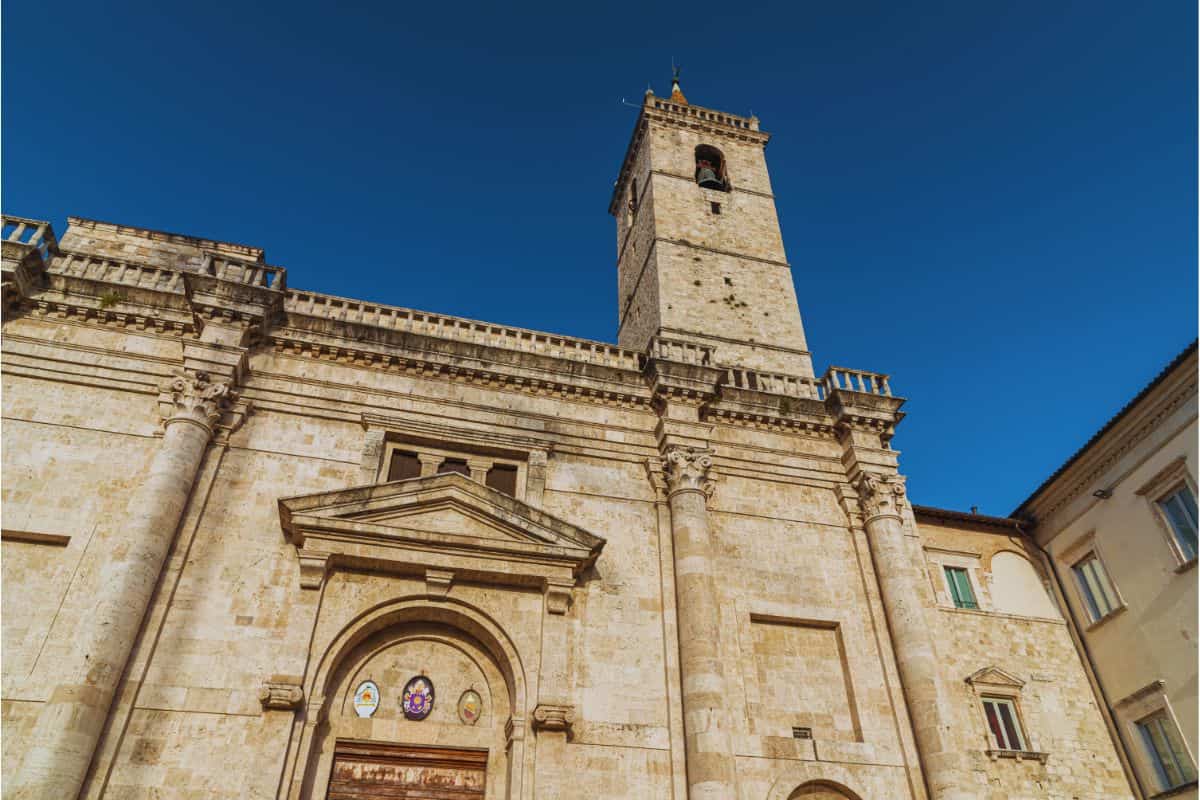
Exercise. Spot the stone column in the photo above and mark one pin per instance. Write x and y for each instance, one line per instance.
(70, 723)
(709, 750)
(882, 499)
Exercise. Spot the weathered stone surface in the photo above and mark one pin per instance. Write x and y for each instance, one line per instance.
(708, 547)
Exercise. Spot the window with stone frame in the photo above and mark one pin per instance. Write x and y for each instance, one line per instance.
(1095, 588)
(1179, 509)
(500, 471)
(956, 579)
(1004, 723)
(1172, 496)
(1160, 753)
(959, 583)
(1160, 736)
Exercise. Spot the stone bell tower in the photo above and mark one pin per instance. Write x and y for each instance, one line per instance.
(700, 257)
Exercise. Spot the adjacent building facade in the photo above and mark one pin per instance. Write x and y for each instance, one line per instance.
(1118, 522)
(261, 542)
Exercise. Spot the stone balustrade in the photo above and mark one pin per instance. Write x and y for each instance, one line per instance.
(250, 273)
(681, 351)
(112, 270)
(446, 327)
(790, 385)
(856, 380)
(36, 233)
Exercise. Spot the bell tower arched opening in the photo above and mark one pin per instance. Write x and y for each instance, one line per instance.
(710, 168)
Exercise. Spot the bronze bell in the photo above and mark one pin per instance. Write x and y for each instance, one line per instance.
(706, 176)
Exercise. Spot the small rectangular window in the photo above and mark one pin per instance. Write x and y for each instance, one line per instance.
(458, 465)
(960, 587)
(1095, 587)
(403, 466)
(716, 208)
(1166, 750)
(503, 478)
(1003, 723)
(1179, 508)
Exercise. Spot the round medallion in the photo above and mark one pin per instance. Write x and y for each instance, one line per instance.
(418, 698)
(470, 707)
(366, 699)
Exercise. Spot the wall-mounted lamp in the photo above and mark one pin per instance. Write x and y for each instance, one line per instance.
(1103, 494)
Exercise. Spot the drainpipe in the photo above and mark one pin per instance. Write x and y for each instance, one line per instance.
(1089, 667)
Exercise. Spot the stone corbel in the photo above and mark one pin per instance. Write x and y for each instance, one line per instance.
(558, 596)
(554, 718)
(314, 565)
(281, 693)
(437, 583)
(234, 418)
(514, 731)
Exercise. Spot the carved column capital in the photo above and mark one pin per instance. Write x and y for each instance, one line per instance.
(281, 695)
(194, 397)
(554, 717)
(881, 495)
(687, 470)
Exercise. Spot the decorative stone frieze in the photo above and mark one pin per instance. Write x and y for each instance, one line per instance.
(687, 470)
(194, 397)
(881, 495)
(281, 695)
(554, 718)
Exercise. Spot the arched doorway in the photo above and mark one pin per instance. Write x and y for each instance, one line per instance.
(822, 790)
(448, 749)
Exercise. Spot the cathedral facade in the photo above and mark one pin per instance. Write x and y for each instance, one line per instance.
(261, 542)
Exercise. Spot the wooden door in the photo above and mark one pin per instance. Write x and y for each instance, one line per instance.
(377, 771)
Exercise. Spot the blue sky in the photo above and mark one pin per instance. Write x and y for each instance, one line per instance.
(993, 202)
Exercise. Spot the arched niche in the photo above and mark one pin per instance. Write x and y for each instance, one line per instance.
(458, 647)
(1017, 588)
(822, 790)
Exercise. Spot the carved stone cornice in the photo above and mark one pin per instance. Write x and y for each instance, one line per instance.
(194, 397)
(281, 695)
(881, 495)
(686, 469)
(554, 718)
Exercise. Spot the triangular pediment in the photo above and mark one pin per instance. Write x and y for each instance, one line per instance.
(994, 676)
(445, 521)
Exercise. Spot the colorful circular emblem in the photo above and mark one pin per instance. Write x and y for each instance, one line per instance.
(418, 698)
(366, 699)
(470, 707)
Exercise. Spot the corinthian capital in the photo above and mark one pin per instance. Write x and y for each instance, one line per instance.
(686, 469)
(193, 396)
(881, 495)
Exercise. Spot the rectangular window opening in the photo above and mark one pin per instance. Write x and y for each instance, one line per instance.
(960, 587)
(458, 465)
(716, 208)
(403, 466)
(1003, 723)
(503, 478)
(1095, 587)
(1179, 508)
(1166, 750)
